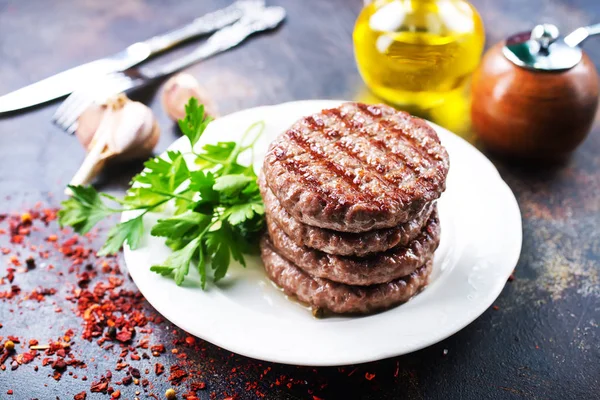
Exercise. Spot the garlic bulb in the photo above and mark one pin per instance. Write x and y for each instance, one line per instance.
(117, 130)
(177, 92)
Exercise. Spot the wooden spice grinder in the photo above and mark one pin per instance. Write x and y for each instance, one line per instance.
(535, 95)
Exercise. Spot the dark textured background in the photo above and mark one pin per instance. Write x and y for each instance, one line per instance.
(543, 341)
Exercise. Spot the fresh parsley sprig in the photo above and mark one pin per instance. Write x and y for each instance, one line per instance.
(218, 208)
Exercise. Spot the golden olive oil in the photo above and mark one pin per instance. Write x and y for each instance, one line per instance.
(416, 53)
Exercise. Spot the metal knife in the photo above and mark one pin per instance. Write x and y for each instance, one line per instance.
(66, 82)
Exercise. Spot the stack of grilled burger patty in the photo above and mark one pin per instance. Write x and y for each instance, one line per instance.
(350, 206)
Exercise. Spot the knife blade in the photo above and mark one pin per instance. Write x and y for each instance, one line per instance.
(66, 82)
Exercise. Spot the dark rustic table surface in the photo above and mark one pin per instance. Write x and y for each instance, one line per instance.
(541, 340)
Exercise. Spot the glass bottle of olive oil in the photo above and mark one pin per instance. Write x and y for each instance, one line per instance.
(416, 53)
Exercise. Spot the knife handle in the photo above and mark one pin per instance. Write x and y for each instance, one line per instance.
(207, 23)
(222, 40)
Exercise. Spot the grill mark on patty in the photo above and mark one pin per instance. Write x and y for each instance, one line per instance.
(349, 177)
(377, 170)
(397, 157)
(402, 158)
(381, 146)
(310, 181)
(407, 138)
(373, 111)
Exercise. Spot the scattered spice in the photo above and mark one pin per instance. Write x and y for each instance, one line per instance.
(106, 311)
(80, 396)
(170, 394)
(159, 369)
(190, 340)
(9, 345)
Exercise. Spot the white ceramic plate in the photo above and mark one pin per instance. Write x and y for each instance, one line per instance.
(245, 313)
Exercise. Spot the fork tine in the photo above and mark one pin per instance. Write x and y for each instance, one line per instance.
(79, 101)
(68, 113)
(67, 104)
(71, 118)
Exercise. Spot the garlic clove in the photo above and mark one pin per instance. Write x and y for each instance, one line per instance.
(177, 92)
(88, 123)
(122, 129)
(133, 128)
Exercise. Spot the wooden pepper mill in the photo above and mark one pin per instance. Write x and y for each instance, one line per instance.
(535, 95)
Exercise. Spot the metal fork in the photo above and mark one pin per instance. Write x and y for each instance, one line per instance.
(68, 113)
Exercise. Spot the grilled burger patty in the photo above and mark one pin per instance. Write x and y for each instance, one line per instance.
(342, 243)
(338, 297)
(375, 269)
(356, 168)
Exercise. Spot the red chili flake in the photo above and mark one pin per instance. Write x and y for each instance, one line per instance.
(116, 394)
(177, 375)
(101, 386)
(124, 336)
(127, 380)
(121, 366)
(190, 340)
(496, 308)
(135, 372)
(16, 239)
(369, 376)
(80, 396)
(9, 392)
(397, 371)
(52, 238)
(159, 368)
(198, 386)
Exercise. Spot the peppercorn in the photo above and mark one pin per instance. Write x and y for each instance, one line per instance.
(170, 394)
(30, 263)
(9, 345)
(112, 331)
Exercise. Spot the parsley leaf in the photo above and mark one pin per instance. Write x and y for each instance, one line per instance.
(131, 231)
(84, 210)
(239, 213)
(180, 225)
(195, 121)
(219, 212)
(229, 185)
(178, 262)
